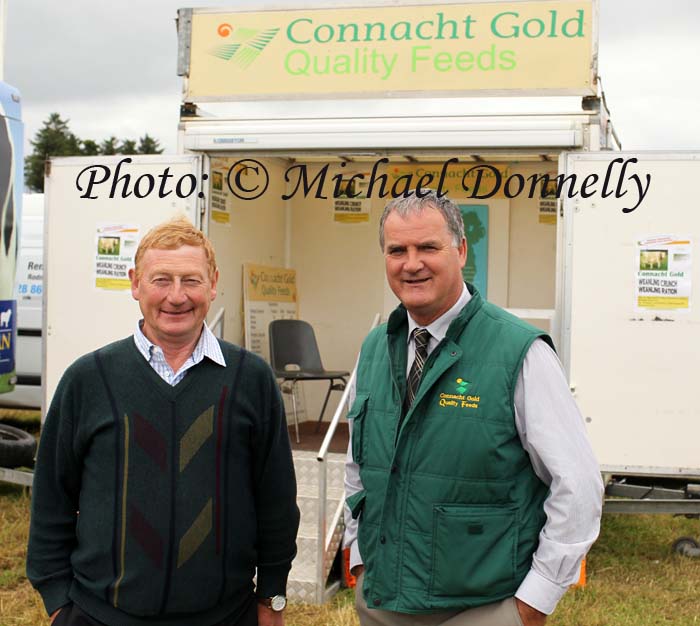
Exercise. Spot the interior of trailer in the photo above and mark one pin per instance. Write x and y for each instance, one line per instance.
(339, 265)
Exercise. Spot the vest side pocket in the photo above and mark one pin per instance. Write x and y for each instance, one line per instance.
(357, 414)
(356, 502)
(474, 550)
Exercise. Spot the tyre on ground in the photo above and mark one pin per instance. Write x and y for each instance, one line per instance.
(17, 447)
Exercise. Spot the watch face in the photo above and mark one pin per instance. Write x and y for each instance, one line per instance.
(278, 603)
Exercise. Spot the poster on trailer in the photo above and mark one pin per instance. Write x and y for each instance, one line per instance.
(663, 282)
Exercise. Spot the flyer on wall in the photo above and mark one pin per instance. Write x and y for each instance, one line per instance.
(115, 250)
(663, 267)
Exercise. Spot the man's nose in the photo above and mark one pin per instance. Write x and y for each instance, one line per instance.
(177, 294)
(414, 261)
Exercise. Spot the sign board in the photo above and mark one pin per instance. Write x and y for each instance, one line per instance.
(8, 337)
(11, 180)
(537, 47)
(269, 293)
(476, 230)
(220, 198)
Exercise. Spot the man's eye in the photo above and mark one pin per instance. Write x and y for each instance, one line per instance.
(192, 281)
(161, 281)
(395, 251)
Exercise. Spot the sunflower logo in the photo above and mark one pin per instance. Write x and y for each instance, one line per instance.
(243, 45)
(462, 385)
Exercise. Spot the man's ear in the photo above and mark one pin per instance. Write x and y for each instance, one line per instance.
(463, 251)
(134, 284)
(214, 281)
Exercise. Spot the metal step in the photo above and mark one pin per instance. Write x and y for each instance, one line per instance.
(308, 507)
(303, 582)
(306, 467)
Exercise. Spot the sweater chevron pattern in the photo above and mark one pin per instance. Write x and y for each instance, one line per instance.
(182, 491)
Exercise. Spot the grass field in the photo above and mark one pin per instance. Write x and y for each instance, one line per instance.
(633, 577)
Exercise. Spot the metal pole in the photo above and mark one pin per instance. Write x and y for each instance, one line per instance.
(322, 478)
(321, 548)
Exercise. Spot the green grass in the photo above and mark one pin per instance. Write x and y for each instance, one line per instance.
(634, 578)
(19, 604)
(28, 419)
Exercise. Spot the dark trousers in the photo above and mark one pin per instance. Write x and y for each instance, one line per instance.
(73, 615)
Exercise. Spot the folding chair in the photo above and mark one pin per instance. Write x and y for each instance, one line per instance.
(294, 357)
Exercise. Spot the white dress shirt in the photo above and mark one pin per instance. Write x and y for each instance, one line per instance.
(207, 346)
(552, 432)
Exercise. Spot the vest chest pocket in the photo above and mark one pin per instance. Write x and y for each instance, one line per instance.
(474, 550)
(357, 414)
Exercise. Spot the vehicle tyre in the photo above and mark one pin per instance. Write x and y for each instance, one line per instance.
(686, 546)
(17, 447)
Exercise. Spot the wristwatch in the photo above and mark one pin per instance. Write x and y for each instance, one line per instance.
(276, 603)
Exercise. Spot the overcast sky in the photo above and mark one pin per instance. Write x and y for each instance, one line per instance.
(110, 67)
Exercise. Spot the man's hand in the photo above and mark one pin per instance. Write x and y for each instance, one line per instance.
(529, 615)
(268, 617)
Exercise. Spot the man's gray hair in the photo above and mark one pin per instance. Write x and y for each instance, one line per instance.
(419, 200)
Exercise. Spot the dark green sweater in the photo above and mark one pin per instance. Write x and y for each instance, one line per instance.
(181, 491)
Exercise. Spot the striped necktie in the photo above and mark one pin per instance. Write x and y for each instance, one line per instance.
(421, 336)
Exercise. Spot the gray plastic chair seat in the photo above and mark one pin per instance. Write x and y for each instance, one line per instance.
(294, 357)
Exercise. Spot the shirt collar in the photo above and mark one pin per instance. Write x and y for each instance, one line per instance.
(207, 346)
(438, 328)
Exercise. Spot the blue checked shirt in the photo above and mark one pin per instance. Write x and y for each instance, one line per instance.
(207, 346)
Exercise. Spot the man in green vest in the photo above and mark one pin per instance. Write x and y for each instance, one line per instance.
(164, 482)
(472, 490)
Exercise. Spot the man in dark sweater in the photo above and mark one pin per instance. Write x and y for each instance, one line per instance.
(164, 480)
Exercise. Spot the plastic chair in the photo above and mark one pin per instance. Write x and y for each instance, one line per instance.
(294, 357)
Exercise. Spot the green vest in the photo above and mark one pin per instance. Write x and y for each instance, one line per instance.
(451, 509)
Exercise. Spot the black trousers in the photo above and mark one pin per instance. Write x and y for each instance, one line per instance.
(73, 615)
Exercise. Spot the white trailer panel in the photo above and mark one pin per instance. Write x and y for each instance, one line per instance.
(78, 316)
(633, 369)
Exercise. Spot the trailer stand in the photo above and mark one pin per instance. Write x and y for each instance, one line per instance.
(16, 477)
(634, 494)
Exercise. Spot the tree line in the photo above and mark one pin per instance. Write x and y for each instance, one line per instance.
(56, 139)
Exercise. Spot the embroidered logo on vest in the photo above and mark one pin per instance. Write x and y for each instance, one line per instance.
(459, 400)
(462, 385)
